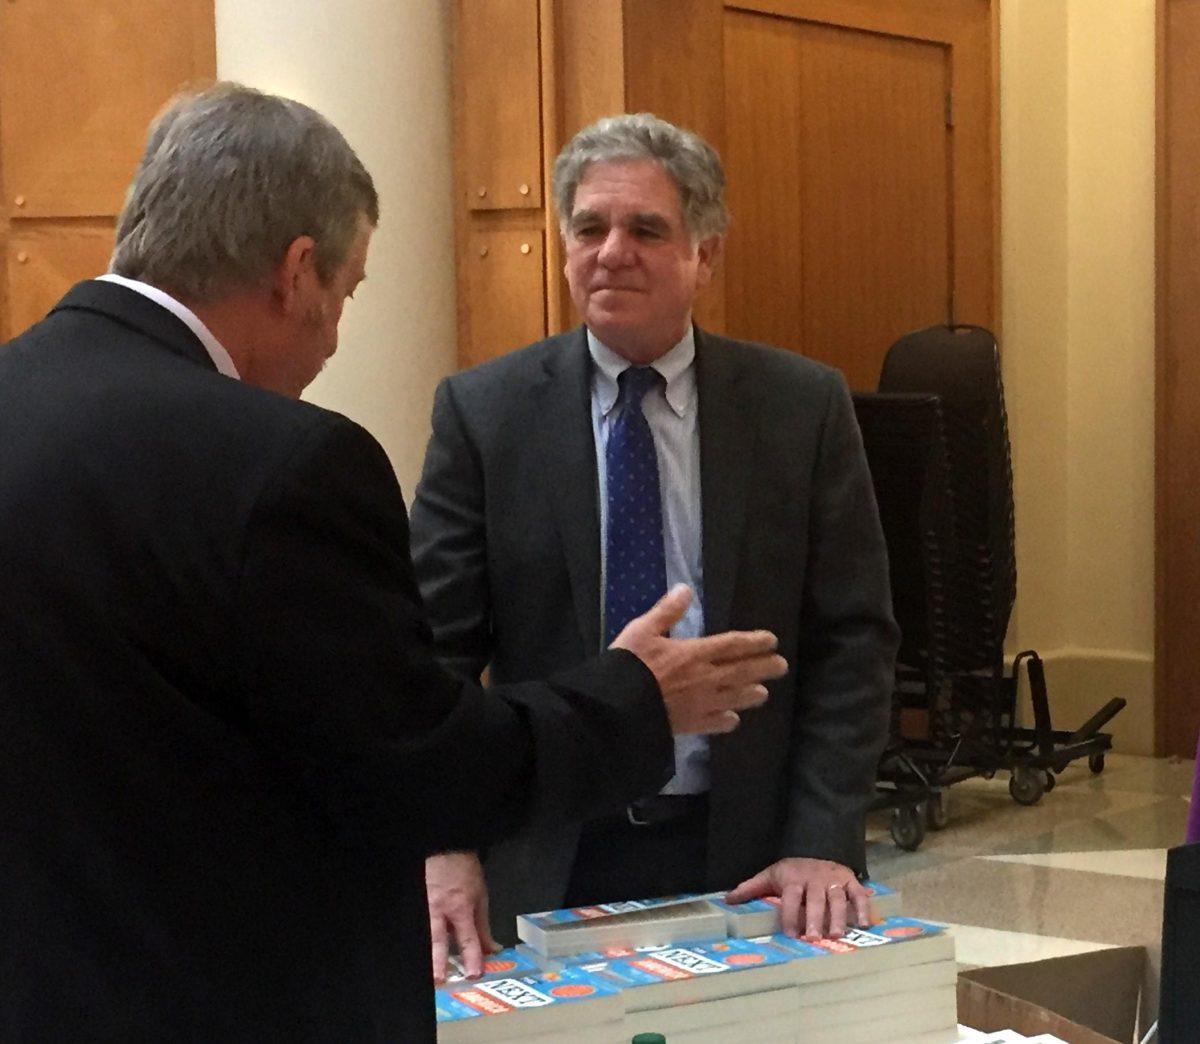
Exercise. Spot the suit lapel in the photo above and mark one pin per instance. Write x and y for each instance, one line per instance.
(564, 433)
(728, 431)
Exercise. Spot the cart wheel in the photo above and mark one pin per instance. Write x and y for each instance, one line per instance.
(1096, 763)
(1050, 781)
(1027, 785)
(908, 828)
(936, 816)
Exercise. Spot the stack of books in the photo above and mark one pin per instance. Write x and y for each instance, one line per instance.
(536, 1009)
(893, 981)
(638, 922)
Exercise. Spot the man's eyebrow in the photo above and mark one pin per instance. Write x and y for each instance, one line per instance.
(581, 217)
(649, 219)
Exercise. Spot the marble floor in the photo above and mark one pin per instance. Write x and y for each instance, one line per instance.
(1081, 870)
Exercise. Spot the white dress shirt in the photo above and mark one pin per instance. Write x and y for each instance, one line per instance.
(215, 349)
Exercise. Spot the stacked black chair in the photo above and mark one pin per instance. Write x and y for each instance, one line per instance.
(905, 447)
(952, 661)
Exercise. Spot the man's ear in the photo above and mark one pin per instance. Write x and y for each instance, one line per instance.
(709, 253)
(295, 269)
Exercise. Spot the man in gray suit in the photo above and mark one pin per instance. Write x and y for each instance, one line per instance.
(551, 507)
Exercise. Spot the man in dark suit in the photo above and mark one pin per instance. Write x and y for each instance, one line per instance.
(522, 538)
(226, 746)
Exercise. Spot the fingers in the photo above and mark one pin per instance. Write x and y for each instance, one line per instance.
(751, 669)
(861, 899)
(751, 888)
(715, 724)
(441, 949)
(469, 946)
(814, 912)
(736, 645)
(835, 898)
(745, 698)
(789, 912)
(668, 610)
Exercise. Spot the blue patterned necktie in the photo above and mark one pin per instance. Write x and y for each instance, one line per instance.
(635, 565)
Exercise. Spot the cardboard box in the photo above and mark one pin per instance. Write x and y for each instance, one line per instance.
(1086, 998)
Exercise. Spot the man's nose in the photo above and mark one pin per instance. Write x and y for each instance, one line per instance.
(615, 250)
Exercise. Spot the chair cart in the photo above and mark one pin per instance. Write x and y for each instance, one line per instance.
(936, 438)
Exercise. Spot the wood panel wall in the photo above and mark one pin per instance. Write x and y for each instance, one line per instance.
(79, 82)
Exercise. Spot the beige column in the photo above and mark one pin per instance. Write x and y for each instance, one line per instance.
(379, 71)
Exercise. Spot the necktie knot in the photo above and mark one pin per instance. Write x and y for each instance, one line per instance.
(635, 381)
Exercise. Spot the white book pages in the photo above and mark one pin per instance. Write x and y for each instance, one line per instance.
(556, 1021)
(846, 1013)
(916, 977)
(932, 1018)
(780, 1030)
(771, 977)
(707, 1014)
(692, 920)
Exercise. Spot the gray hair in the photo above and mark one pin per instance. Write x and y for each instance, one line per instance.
(687, 158)
(229, 178)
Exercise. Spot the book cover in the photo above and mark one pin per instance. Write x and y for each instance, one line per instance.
(893, 943)
(655, 977)
(511, 963)
(518, 1008)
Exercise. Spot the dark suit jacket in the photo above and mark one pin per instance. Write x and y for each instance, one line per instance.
(506, 541)
(226, 746)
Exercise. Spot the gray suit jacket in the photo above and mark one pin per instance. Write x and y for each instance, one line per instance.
(506, 541)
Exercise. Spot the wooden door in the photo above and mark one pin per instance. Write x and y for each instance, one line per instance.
(841, 149)
(80, 81)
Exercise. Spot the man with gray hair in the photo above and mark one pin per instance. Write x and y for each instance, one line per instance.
(226, 746)
(567, 484)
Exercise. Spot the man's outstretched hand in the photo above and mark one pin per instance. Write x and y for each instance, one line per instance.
(706, 681)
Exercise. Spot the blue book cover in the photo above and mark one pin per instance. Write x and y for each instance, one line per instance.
(650, 965)
(505, 964)
(887, 932)
(470, 1000)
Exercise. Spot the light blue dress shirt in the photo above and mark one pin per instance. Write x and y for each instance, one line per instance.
(672, 416)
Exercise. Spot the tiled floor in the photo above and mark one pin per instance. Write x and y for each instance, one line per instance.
(1082, 869)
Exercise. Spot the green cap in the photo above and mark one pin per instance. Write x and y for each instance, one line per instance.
(649, 1038)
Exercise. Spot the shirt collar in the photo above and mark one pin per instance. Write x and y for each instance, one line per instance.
(675, 366)
(216, 350)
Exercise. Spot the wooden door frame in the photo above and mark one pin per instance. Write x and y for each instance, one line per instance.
(1176, 383)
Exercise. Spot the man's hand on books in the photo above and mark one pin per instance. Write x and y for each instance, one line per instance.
(458, 912)
(819, 897)
(706, 681)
